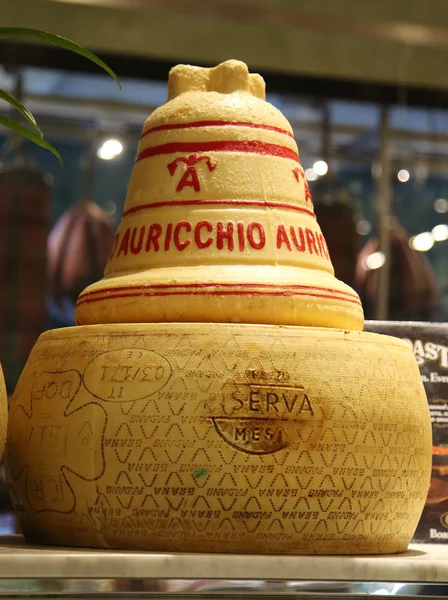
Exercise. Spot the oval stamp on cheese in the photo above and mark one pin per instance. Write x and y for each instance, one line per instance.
(258, 417)
(126, 375)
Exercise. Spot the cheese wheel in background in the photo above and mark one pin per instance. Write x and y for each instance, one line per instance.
(220, 438)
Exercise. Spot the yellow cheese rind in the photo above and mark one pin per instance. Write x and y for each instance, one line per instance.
(3, 412)
(227, 294)
(218, 223)
(228, 77)
(220, 438)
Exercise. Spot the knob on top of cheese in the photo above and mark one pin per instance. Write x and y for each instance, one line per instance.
(228, 77)
(218, 223)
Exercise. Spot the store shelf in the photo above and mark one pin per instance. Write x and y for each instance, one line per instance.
(27, 571)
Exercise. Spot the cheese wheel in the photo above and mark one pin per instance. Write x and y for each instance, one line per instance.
(220, 438)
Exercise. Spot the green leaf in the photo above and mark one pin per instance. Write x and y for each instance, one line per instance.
(56, 40)
(31, 135)
(20, 107)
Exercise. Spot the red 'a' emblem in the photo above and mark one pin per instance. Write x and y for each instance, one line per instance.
(297, 172)
(190, 177)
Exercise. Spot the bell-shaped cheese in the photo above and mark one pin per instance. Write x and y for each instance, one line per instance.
(218, 222)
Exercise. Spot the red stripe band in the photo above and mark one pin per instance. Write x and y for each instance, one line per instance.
(284, 293)
(251, 147)
(196, 124)
(135, 209)
(269, 286)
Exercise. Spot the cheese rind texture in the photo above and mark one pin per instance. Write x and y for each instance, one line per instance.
(220, 438)
(172, 294)
(3, 412)
(218, 197)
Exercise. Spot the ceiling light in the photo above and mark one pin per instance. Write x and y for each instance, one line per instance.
(320, 168)
(422, 242)
(440, 233)
(441, 205)
(363, 227)
(110, 149)
(311, 175)
(375, 260)
(403, 175)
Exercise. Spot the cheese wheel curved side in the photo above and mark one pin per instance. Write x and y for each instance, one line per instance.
(220, 438)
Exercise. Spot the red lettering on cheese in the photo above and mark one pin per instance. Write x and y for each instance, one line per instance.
(307, 191)
(282, 238)
(181, 245)
(322, 246)
(190, 177)
(311, 241)
(299, 172)
(124, 246)
(197, 234)
(298, 243)
(260, 234)
(169, 231)
(136, 248)
(155, 231)
(205, 233)
(241, 239)
(222, 235)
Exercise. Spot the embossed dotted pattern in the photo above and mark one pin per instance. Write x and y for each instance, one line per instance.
(221, 438)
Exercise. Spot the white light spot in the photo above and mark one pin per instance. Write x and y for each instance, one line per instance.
(375, 261)
(363, 227)
(311, 175)
(110, 149)
(403, 175)
(320, 167)
(441, 205)
(422, 242)
(440, 233)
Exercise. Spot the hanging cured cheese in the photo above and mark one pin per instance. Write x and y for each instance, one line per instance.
(78, 247)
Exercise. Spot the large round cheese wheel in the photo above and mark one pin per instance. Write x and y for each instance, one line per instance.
(220, 437)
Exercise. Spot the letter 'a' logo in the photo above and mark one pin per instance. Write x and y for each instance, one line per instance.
(299, 173)
(260, 418)
(190, 177)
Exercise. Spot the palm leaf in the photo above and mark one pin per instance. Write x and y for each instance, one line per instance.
(19, 107)
(31, 135)
(56, 40)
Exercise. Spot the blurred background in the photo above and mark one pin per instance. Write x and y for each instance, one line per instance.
(364, 85)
